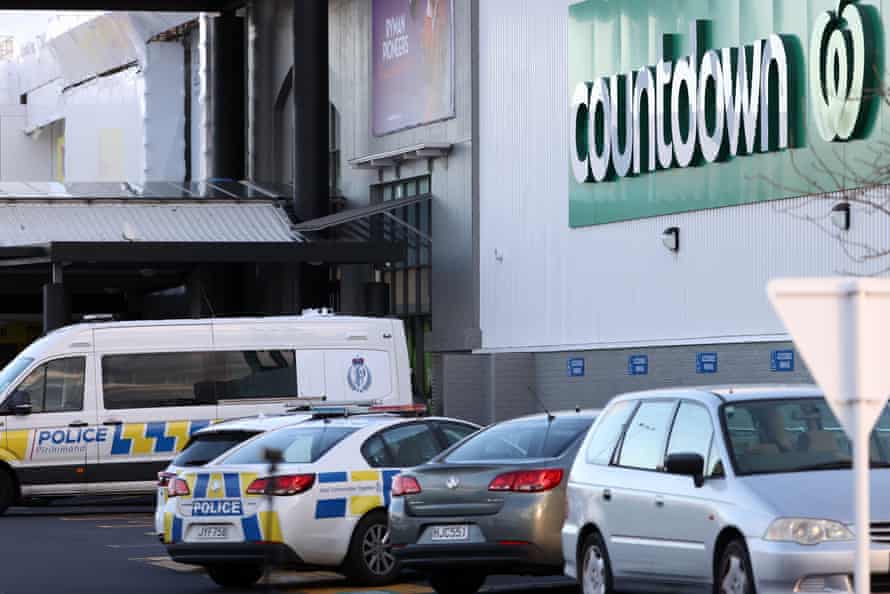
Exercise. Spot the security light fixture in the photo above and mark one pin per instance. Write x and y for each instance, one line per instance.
(671, 238)
(840, 216)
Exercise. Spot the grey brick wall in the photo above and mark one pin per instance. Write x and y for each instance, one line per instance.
(490, 388)
(465, 387)
(606, 371)
(512, 378)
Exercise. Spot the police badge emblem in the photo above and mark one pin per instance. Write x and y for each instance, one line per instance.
(359, 375)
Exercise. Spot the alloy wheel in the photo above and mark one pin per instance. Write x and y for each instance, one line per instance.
(594, 578)
(376, 550)
(735, 579)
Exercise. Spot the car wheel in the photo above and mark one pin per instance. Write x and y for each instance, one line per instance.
(370, 561)
(734, 575)
(465, 582)
(235, 576)
(7, 491)
(596, 572)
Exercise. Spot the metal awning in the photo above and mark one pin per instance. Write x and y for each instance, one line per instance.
(379, 221)
(171, 252)
(128, 5)
(430, 150)
(231, 222)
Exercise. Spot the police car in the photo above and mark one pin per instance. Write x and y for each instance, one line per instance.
(210, 443)
(323, 504)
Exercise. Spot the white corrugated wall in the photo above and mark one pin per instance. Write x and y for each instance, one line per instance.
(545, 286)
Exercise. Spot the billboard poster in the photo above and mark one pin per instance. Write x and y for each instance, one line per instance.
(413, 63)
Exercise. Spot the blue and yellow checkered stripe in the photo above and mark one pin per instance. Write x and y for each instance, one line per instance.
(355, 505)
(162, 437)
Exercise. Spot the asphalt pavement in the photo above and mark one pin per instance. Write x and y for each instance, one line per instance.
(109, 547)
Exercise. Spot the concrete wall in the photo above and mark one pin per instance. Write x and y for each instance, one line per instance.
(547, 287)
(455, 273)
(489, 388)
(23, 157)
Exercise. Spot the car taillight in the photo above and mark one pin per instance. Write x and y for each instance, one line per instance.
(527, 481)
(404, 485)
(164, 478)
(292, 484)
(177, 488)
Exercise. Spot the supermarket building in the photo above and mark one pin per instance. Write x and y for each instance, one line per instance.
(563, 200)
(645, 168)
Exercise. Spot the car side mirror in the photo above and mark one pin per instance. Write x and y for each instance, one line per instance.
(22, 410)
(19, 404)
(687, 465)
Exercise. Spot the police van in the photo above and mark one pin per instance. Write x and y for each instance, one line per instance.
(100, 408)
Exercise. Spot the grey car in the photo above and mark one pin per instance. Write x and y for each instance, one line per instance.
(727, 490)
(494, 504)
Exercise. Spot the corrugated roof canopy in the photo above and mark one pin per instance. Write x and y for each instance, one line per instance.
(225, 189)
(147, 5)
(166, 222)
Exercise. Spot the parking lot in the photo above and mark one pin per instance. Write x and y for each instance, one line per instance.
(102, 546)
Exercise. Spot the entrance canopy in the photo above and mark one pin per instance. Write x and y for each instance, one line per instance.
(153, 5)
(165, 223)
(164, 249)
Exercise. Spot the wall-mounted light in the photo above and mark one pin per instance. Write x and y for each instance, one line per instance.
(671, 238)
(840, 216)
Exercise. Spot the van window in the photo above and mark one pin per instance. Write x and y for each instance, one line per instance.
(153, 380)
(643, 445)
(692, 432)
(56, 386)
(607, 433)
(258, 374)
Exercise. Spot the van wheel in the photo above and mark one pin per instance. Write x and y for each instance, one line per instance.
(8, 493)
(457, 582)
(596, 571)
(734, 575)
(235, 576)
(370, 561)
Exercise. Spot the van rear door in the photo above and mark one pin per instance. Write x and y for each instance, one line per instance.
(358, 376)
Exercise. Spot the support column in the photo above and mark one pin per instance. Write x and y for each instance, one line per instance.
(311, 110)
(311, 143)
(56, 302)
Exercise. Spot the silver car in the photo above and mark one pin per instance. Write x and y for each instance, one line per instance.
(729, 490)
(494, 504)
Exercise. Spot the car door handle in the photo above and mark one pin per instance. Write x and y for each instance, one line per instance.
(112, 423)
(607, 494)
(659, 501)
(78, 424)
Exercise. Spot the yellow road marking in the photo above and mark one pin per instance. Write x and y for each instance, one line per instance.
(168, 563)
(310, 582)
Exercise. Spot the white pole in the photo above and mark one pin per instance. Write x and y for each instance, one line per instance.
(861, 465)
(849, 354)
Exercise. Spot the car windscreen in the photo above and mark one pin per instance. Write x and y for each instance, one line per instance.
(524, 439)
(298, 445)
(203, 448)
(12, 370)
(794, 435)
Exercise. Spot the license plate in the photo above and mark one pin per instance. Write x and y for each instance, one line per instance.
(441, 533)
(212, 532)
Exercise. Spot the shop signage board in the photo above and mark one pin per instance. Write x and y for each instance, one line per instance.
(638, 365)
(665, 116)
(576, 367)
(782, 361)
(706, 363)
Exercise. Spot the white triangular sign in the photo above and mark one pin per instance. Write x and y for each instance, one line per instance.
(841, 326)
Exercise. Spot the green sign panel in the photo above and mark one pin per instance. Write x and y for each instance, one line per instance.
(682, 106)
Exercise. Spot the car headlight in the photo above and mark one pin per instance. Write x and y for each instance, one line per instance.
(807, 532)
